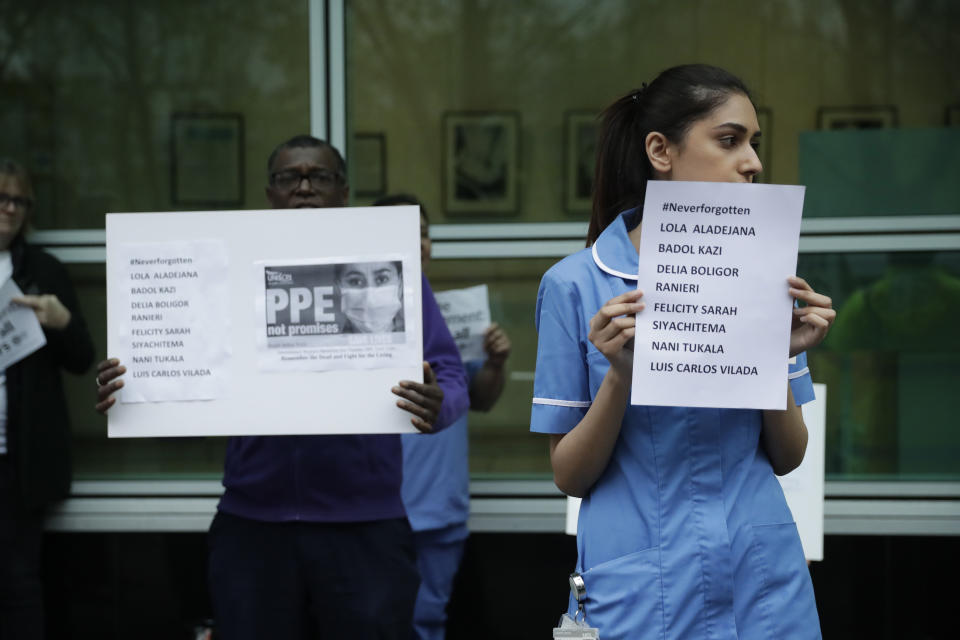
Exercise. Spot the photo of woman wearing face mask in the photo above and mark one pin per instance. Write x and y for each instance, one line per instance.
(371, 296)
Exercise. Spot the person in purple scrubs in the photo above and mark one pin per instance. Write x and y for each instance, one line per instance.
(684, 532)
(311, 538)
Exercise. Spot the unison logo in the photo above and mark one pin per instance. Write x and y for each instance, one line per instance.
(278, 277)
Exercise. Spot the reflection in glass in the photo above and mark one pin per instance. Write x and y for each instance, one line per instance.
(410, 63)
(891, 363)
(89, 91)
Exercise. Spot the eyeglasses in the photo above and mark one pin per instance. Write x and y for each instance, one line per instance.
(18, 203)
(320, 179)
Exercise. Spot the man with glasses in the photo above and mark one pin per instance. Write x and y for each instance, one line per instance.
(305, 172)
(311, 538)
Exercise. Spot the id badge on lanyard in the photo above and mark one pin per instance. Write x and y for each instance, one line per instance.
(576, 628)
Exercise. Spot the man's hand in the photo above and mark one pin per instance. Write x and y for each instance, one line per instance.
(488, 381)
(50, 311)
(108, 381)
(496, 345)
(423, 400)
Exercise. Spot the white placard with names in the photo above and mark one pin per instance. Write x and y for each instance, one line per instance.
(713, 267)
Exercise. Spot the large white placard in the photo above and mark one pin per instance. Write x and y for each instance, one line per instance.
(803, 487)
(20, 331)
(231, 310)
(467, 314)
(714, 262)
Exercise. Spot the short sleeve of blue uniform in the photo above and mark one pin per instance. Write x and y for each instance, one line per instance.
(561, 392)
(800, 382)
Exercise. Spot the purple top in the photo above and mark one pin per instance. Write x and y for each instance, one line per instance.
(339, 478)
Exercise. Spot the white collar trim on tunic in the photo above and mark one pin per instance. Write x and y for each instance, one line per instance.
(613, 272)
(617, 249)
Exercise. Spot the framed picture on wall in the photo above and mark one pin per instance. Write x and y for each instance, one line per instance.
(580, 130)
(951, 116)
(868, 117)
(206, 152)
(368, 161)
(481, 163)
(765, 120)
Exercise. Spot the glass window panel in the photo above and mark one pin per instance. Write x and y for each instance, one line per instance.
(500, 441)
(880, 172)
(823, 64)
(891, 363)
(837, 66)
(107, 102)
(88, 90)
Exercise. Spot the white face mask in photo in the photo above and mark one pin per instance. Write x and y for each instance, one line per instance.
(371, 309)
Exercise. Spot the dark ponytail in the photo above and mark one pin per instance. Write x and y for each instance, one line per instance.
(676, 99)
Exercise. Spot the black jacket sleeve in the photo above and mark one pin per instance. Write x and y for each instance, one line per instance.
(71, 346)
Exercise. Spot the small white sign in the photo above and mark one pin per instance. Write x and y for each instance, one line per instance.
(467, 314)
(20, 331)
(803, 487)
(714, 262)
(171, 332)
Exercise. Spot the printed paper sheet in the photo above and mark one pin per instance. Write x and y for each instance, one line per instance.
(714, 262)
(335, 313)
(171, 334)
(20, 331)
(467, 314)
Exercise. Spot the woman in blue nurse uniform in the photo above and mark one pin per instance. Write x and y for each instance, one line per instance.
(684, 531)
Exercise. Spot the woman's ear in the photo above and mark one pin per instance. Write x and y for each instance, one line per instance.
(658, 152)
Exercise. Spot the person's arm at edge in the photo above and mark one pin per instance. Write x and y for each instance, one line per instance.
(488, 382)
(440, 350)
(580, 456)
(72, 344)
(784, 436)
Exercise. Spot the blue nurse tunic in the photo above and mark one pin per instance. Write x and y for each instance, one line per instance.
(686, 534)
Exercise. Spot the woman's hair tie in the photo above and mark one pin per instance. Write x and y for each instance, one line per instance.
(636, 94)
